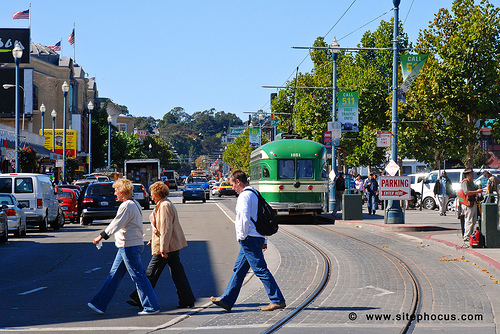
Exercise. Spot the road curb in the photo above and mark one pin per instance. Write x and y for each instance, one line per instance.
(485, 259)
(393, 227)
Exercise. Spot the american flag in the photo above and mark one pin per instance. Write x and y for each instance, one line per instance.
(71, 38)
(22, 15)
(56, 47)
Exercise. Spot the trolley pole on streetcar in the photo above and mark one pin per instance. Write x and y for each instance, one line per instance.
(394, 213)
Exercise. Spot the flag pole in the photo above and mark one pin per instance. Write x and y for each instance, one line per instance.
(74, 44)
(61, 48)
(29, 24)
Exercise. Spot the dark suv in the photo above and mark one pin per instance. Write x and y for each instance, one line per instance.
(99, 202)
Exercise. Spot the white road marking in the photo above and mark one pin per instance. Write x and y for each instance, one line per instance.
(31, 291)
(224, 211)
(91, 270)
(383, 291)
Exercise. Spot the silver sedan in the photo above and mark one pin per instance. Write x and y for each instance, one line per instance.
(16, 218)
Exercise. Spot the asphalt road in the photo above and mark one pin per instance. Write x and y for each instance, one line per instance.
(47, 279)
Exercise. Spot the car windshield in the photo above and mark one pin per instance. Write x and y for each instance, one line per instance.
(101, 190)
(225, 184)
(65, 195)
(6, 200)
(199, 180)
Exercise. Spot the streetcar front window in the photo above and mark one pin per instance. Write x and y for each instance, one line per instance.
(304, 169)
(286, 169)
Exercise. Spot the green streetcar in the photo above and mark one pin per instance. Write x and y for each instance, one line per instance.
(291, 175)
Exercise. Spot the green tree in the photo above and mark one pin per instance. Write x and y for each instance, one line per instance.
(99, 136)
(367, 72)
(160, 150)
(459, 86)
(28, 160)
(145, 123)
(125, 146)
(237, 153)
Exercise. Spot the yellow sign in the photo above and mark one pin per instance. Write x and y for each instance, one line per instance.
(71, 141)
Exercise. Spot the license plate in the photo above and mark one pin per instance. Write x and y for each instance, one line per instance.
(65, 208)
(25, 203)
(104, 203)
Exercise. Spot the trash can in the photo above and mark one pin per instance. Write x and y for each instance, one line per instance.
(489, 232)
(352, 206)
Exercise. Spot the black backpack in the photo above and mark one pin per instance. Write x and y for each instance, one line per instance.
(266, 223)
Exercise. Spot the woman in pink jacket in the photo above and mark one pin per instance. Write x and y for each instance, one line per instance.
(167, 239)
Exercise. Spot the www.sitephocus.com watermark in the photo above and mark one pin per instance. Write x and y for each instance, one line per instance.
(353, 316)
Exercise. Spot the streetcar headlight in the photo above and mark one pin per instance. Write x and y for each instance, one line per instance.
(310, 187)
(281, 187)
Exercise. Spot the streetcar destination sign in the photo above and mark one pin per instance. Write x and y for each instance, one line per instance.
(395, 188)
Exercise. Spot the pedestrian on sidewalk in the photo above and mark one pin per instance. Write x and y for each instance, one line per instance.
(252, 247)
(470, 212)
(339, 190)
(359, 185)
(128, 231)
(166, 241)
(371, 186)
(493, 182)
(442, 190)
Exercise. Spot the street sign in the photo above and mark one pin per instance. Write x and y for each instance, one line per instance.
(392, 168)
(327, 139)
(395, 188)
(334, 128)
(348, 111)
(383, 138)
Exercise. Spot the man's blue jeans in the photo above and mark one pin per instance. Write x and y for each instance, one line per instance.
(128, 259)
(251, 256)
(372, 201)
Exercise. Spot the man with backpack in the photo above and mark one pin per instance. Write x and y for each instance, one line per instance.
(252, 246)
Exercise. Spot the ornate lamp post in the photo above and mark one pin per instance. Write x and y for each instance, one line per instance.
(90, 107)
(42, 112)
(65, 89)
(17, 52)
(53, 114)
(109, 141)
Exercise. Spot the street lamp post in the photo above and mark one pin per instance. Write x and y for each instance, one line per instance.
(335, 52)
(261, 117)
(53, 114)
(65, 89)
(42, 112)
(90, 107)
(17, 52)
(394, 213)
(109, 141)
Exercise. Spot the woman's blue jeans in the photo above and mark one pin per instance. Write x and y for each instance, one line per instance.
(128, 259)
(251, 256)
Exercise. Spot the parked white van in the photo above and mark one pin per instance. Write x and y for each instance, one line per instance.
(36, 193)
(455, 175)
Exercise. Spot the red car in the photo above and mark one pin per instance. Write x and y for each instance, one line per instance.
(68, 201)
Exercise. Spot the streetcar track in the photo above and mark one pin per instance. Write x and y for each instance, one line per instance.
(416, 300)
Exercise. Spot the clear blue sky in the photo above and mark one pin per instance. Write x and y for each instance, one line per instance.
(155, 55)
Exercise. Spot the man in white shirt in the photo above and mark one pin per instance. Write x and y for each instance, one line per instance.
(252, 246)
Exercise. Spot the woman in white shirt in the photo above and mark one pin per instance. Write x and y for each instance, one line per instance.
(128, 231)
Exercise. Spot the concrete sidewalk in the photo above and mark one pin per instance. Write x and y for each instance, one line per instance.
(444, 230)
